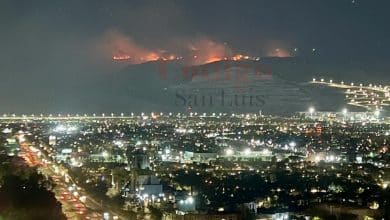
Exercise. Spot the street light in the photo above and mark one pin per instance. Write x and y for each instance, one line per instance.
(292, 144)
(190, 200)
(311, 111)
(345, 112)
(105, 154)
(377, 113)
(229, 152)
(247, 151)
(106, 216)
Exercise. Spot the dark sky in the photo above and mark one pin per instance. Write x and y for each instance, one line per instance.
(47, 42)
(59, 29)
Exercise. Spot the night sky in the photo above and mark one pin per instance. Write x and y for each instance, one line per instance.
(49, 43)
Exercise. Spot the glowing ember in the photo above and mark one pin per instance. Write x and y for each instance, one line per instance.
(121, 57)
(237, 57)
(149, 57)
(209, 59)
(213, 59)
(279, 53)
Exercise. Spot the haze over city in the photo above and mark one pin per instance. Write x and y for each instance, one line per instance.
(57, 54)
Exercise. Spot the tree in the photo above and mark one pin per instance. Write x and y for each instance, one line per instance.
(156, 213)
(24, 193)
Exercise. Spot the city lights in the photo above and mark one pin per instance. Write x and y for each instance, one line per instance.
(195, 110)
(229, 152)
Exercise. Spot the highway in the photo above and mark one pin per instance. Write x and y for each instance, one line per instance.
(76, 203)
(370, 97)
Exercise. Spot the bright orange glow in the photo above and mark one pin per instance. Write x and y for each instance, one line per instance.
(213, 59)
(279, 53)
(148, 57)
(207, 58)
(200, 51)
(237, 57)
(152, 56)
(205, 51)
(124, 48)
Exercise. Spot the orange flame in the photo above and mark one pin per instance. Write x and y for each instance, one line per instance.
(121, 57)
(199, 52)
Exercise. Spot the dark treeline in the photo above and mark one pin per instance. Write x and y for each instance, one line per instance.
(24, 193)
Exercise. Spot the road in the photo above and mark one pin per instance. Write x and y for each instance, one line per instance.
(76, 203)
(371, 97)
